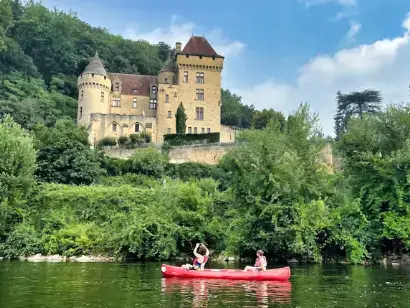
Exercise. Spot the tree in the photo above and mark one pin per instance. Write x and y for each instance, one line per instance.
(233, 112)
(181, 118)
(17, 160)
(262, 118)
(147, 161)
(17, 164)
(65, 155)
(355, 104)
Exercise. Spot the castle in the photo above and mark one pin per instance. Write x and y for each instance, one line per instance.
(115, 104)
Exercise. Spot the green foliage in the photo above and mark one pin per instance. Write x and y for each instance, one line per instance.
(148, 161)
(65, 156)
(146, 136)
(17, 161)
(17, 165)
(355, 104)
(155, 222)
(181, 118)
(107, 141)
(186, 139)
(376, 161)
(123, 140)
(262, 118)
(233, 112)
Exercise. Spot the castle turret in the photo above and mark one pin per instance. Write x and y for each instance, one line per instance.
(167, 73)
(94, 88)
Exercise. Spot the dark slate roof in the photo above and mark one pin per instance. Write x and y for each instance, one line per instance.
(95, 67)
(139, 83)
(199, 46)
(169, 66)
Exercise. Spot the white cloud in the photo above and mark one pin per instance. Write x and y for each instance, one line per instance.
(181, 33)
(309, 3)
(354, 29)
(383, 65)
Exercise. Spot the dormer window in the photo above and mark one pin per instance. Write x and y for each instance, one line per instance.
(154, 90)
(135, 90)
(117, 86)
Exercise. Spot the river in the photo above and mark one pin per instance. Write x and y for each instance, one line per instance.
(120, 285)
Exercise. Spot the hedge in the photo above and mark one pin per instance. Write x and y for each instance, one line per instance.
(185, 139)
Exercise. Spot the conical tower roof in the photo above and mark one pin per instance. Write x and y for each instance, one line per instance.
(169, 66)
(95, 67)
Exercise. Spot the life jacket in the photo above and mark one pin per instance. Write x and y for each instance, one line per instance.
(261, 261)
(198, 264)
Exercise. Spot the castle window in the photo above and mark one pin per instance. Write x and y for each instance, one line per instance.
(200, 78)
(213, 58)
(134, 103)
(168, 130)
(81, 113)
(169, 114)
(187, 56)
(153, 104)
(81, 95)
(102, 97)
(189, 130)
(200, 57)
(175, 94)
(116, 102)
(166, 80)
(154, 90)
(136, 128)
(195, 130)
(167, 98)
(199, 113)
(203, 130)
(208, 130)
(200, 94)
(114, 127)
(92, 75)
(117, 86)
(185, 76)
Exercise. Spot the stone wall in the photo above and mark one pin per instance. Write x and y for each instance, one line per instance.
(204, 154)
(211, 154)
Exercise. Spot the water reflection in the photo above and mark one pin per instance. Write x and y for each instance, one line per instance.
(201, 291)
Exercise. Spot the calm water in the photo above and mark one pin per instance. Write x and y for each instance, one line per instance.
(119, 285)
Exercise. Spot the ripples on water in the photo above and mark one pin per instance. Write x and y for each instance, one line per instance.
(119, 285)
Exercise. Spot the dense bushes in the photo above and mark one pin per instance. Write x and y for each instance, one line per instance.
(185, 139)
(155, 221)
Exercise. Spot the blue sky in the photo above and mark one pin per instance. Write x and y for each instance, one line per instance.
(279, 52)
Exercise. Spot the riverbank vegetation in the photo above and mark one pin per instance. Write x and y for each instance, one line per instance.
(271, 192)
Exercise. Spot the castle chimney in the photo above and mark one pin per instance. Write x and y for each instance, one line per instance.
(178, 47)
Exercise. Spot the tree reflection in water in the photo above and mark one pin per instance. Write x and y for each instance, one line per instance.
(228, 291)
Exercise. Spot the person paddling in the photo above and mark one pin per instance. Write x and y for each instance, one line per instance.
(201, 257)
(260, 263)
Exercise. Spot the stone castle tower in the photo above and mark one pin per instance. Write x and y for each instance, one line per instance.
(115, 104)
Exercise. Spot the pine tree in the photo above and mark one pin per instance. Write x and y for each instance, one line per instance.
(181, 119)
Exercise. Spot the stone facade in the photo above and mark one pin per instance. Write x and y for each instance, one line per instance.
(115, 105)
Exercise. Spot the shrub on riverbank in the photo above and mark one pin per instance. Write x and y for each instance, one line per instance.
(154, 222)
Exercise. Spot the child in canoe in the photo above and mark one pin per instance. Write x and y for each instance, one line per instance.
(260, 263)
(201, 257)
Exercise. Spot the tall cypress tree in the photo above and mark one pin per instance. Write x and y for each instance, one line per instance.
(181, 118)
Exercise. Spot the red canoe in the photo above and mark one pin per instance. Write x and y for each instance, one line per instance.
(277, 274)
